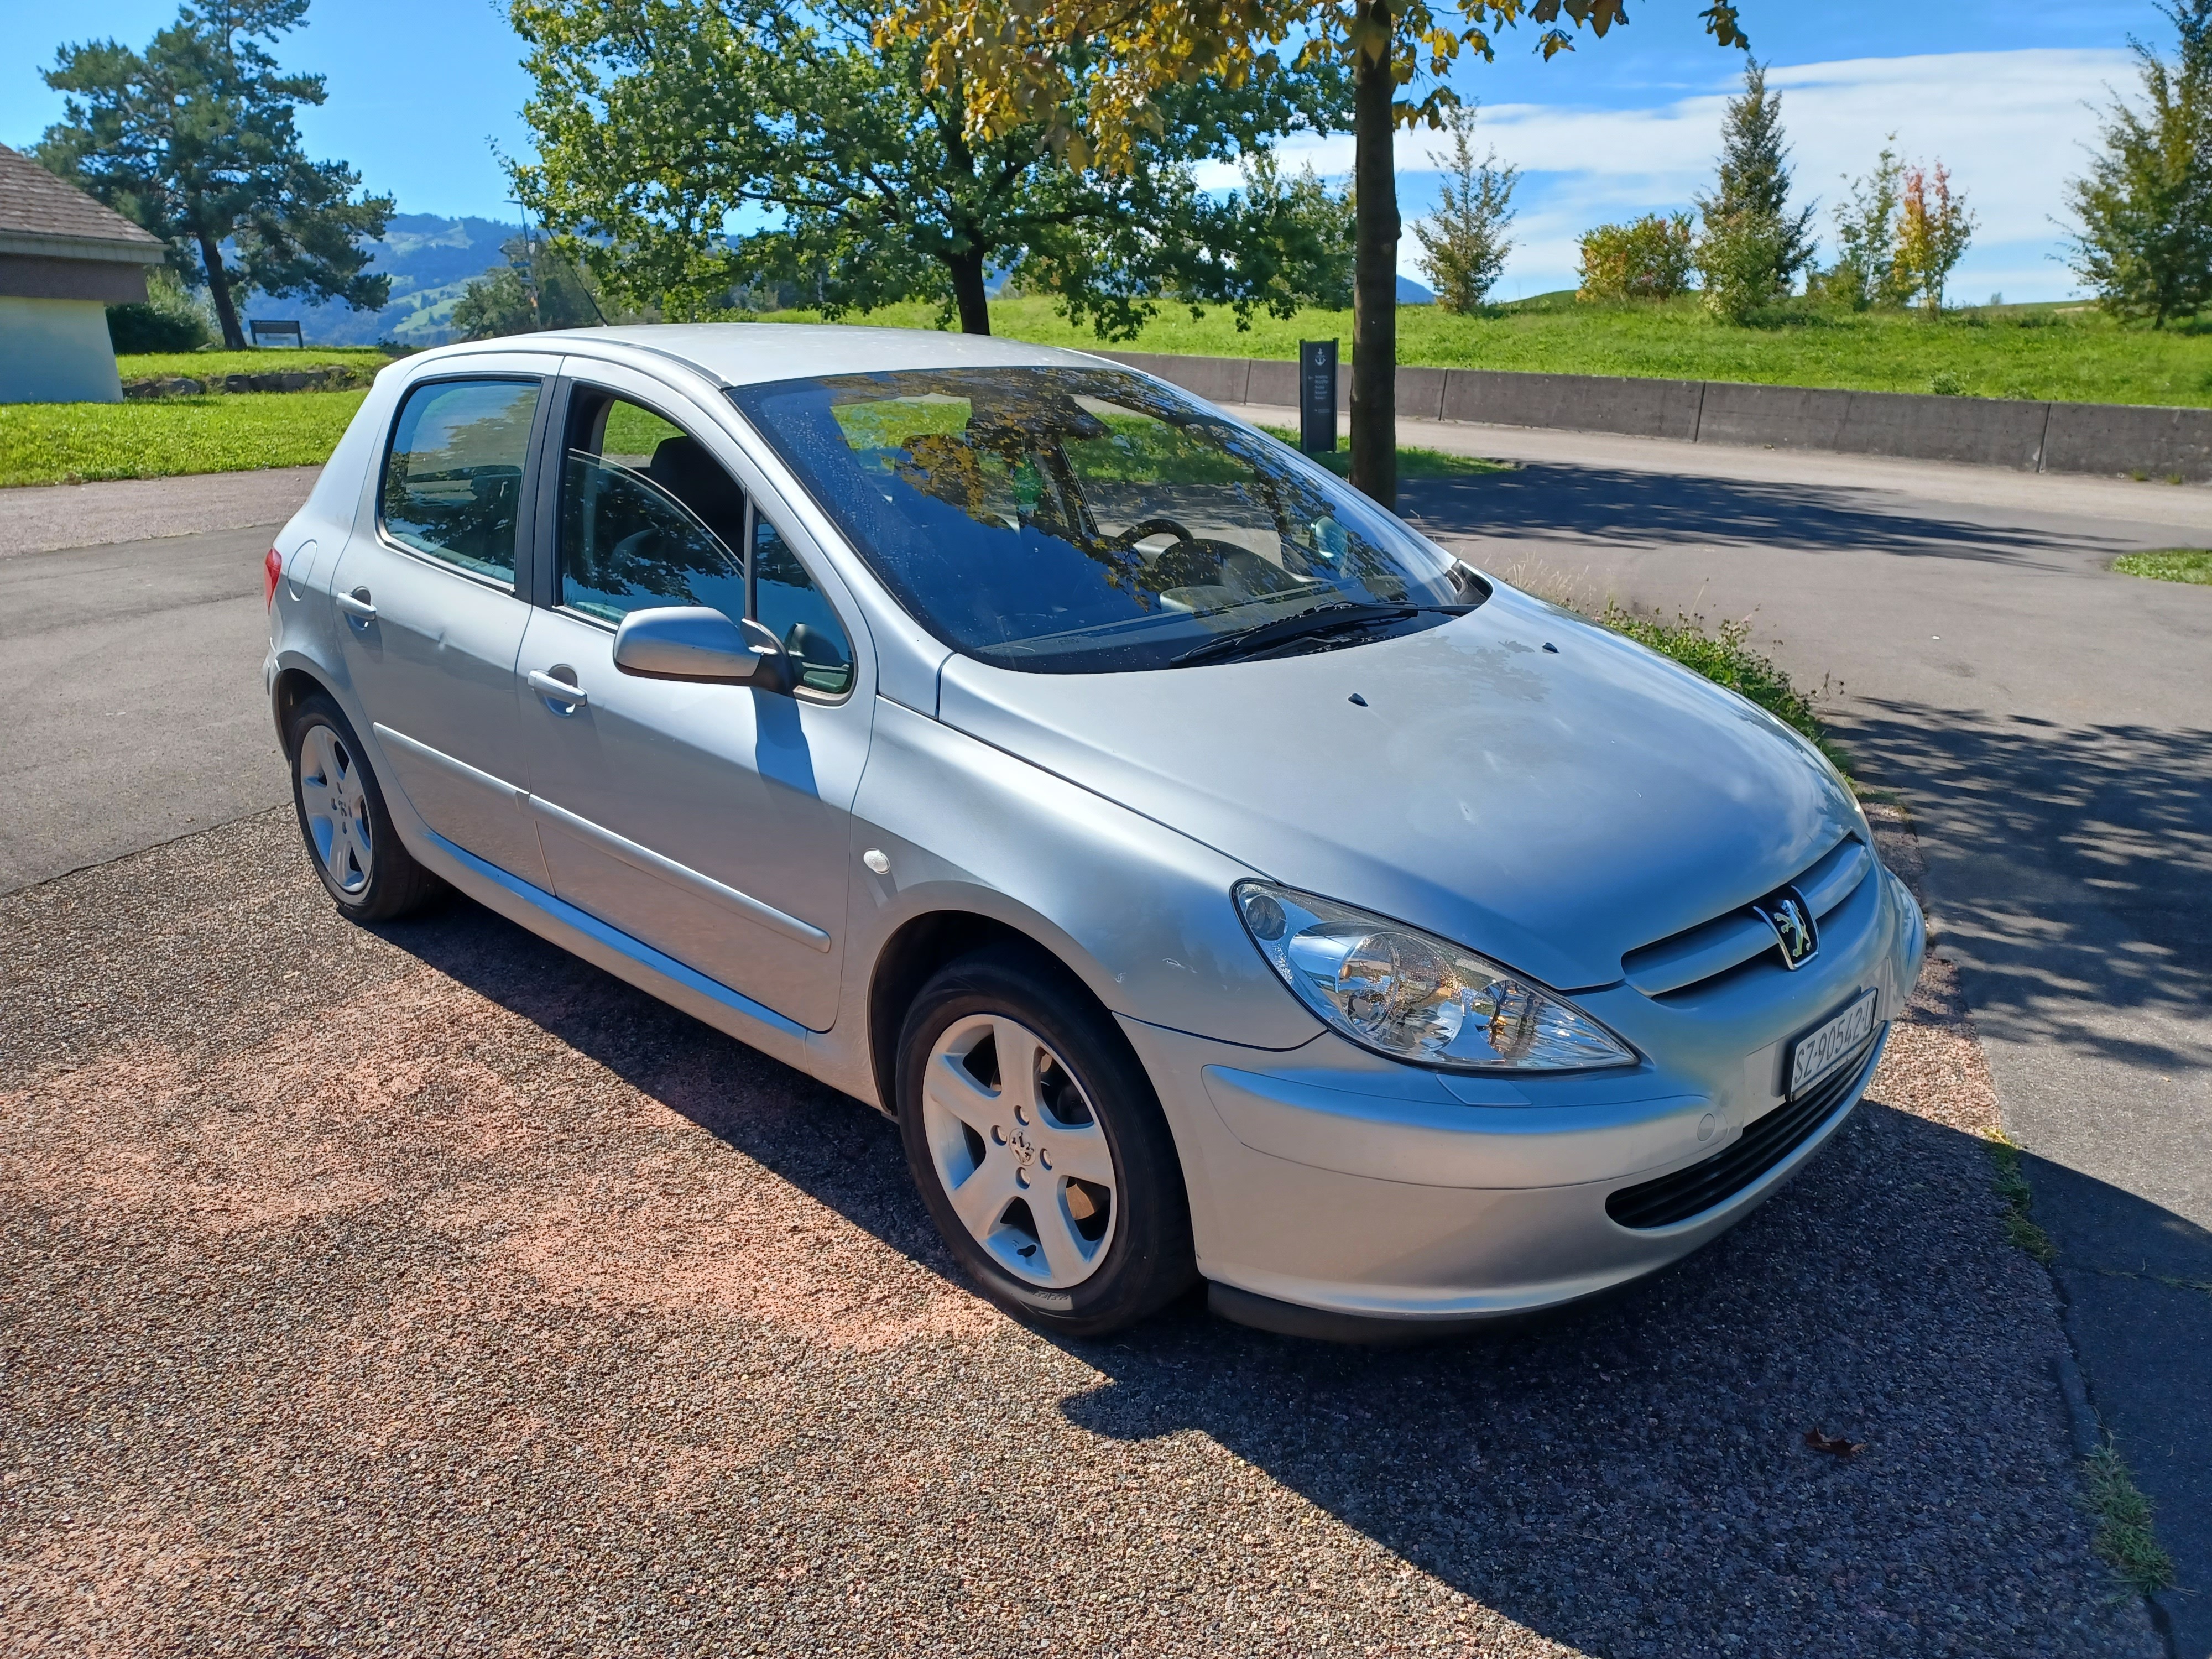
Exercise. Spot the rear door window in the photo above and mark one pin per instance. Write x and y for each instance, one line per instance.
(452, 482)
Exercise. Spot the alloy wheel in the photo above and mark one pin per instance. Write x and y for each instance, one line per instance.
(1014, 1141)
(335, 801)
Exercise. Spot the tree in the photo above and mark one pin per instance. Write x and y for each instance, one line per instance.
(1646, 258)
(1096, 74)
(1754, 246)
(1301, 235)
(193, 139)
(1933, 229)
(1463, 243)
(537, 287)
(659, 124)
(1865, 271)
(2145, 205)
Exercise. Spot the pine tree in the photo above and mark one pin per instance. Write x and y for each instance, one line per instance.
(194, 138)
(2145, 206)
(1754, 246)
(1463, 243)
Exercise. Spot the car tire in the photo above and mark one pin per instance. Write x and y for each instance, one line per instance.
(1062, 1197)
(348, 830)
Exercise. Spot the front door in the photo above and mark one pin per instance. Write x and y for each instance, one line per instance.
(430, 622)
(711, 821)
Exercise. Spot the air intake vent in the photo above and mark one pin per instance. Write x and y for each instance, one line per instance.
(1690, 1192)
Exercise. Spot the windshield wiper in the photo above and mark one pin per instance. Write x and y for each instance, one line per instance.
(1306, 624)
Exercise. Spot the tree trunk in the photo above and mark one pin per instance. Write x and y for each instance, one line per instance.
(233, 336)
(1375, 268)
(968, 292)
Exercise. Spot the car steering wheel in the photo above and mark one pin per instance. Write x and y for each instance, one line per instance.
(1158, 525)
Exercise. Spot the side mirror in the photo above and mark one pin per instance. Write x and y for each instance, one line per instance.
(693, 642)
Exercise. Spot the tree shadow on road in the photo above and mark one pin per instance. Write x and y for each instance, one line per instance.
(1550, 502)
(2092, 856)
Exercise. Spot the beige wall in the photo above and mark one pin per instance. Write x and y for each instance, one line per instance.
(57, 351)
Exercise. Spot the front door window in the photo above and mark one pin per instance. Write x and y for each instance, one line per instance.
(649, 518)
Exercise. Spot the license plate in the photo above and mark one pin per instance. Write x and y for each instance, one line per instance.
(1820, 1050)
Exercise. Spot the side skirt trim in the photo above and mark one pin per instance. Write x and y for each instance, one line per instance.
(666, 974)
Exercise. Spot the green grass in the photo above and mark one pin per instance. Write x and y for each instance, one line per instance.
(2021, 1230)
(2168, 564)
(199, 365)
(1413, 462)
(76, 443)
(2125, 1538)
(2068, 352)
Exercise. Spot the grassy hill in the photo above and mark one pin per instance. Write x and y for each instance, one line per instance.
(2069, 351)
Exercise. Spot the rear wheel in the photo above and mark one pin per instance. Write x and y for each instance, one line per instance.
(343, 820)
(1039, 1145)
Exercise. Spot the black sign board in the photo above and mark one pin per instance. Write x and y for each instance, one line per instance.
(1317, 397)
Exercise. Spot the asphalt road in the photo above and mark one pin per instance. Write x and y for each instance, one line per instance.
(131, 706)
(2048, 723)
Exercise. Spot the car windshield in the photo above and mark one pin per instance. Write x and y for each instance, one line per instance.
(1071, 521)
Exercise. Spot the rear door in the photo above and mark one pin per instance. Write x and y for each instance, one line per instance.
(432, 605)
(711, 821)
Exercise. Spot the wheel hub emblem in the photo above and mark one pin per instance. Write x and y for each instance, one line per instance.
(1018, 1143)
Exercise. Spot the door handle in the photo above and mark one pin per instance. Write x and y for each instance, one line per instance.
(355, 604)
(557, 690)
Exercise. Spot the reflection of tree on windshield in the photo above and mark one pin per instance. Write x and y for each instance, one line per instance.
(1047, 512)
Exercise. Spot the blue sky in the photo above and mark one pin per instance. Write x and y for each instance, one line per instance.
(421, 91)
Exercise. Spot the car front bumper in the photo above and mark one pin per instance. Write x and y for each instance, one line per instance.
(1387, 1200)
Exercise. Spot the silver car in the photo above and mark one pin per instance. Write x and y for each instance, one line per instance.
(1214, 878)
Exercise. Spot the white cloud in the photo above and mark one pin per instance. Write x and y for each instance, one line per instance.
(2009, 125)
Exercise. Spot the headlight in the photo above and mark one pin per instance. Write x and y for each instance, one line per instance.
(1414, 996)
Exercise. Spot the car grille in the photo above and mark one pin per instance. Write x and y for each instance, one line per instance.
(1698, 957)
(1685, 1193)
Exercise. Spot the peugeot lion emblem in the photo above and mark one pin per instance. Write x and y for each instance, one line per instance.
(1785, 911)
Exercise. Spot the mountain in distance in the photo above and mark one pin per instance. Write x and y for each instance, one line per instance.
(430, 260)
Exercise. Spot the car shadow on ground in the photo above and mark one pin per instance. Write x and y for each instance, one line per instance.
(1551, 502)
(1630, 1477)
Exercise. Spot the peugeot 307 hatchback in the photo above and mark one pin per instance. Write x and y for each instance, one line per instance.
(1214, 878)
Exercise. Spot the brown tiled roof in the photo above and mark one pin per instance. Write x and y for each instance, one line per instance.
(34, 203)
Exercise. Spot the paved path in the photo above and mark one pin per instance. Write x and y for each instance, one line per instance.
(141, 509)
(2050, 724)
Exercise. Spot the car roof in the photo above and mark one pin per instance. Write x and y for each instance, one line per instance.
(746, 354)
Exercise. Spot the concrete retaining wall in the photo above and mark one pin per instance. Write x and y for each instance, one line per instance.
(2026, 437)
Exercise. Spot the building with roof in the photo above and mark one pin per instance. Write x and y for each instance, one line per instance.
(64, 260)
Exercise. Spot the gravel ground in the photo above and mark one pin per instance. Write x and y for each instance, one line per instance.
(426, 1291)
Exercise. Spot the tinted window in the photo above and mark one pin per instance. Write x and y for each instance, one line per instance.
(648, 518)
(454, 480)
(1077, 520)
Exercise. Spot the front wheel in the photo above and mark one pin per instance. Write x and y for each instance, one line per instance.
(1039, 1145)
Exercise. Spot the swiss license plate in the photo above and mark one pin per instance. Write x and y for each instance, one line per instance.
(1823, 1048)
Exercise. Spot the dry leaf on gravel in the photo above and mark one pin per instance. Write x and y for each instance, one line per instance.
(1834, 1444)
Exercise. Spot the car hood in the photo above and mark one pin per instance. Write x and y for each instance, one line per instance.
(1550, 809)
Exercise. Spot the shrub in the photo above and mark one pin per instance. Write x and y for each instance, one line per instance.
(170, 320)
(1647, 258)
